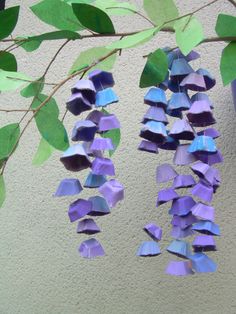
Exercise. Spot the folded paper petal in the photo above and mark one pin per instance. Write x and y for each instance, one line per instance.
(166, 195)
(79, 209)
(101, 79)
(84, 130)
(113, 192)
(202, 143)
(183, 181)
(91, 248)
(208, 78)
(103, 166)
(183, 221)
(94, 180)
(200, 114)
(194, 82)
(203, 211)
(179, 101)
(77, 103)
(75, 158)
(179, 233)
(153, 231)
(156, 114)
(68, 187)
(154, 131)
(108, 122)
(99, 206)
(182, 155)
(180, 69)
(182, 130)
(148, 147)
(149, 248)
(165, 173)
(105, 97)
(156, 97)
(179, 248)
(88, 226)
(203, 191)
(182, 206)
(86, 88)
(179, 268)
(207, 227)
(202, 96)
(204, 243)
(101, 144)
(201, 263)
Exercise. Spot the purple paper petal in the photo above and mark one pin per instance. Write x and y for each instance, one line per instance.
(200, 114)
(165, 173)
(183, 221)
(155, 97)
(154, 131)
(179, 233)
(148, 147)
(183, 181)
(182, 206)
(204, 212)
(201, 263)
(84, 130)
(149, 248)
(166, 195)
(91, 248)
(79, 209)
(86, 88)
(194, 82)
(182, 155)
(99, 206)
(203, 191)
(68, 187)
(112, 191)
(179, 268)
(156, 114)
(101, 144)
(103, 166)
(77, 103)
(179, 248)
(204, 243)
(101, 79)
(88, 226)
(153, 231)
(75, 158)
(108, 122)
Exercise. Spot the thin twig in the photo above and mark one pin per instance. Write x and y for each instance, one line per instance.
(17, 110)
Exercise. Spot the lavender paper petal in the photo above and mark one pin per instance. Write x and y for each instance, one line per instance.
(149, 248)
(166, 195)
(194, 82)
(203, 191)
(201, 263)
(102, 144)
(182, 206)
(204, 212)
(202, 96)
(179, 233)
(95, 116)
(233, 89)
(103, 166)
(179, 268)
(108, 122)
(182, 130)
(210, 132)
(200, 114)
(183, 221)
(148, 147)
(165, 173)
(183, 181)
(79, 209)
(210, 159)
(153, 231)
(68, 187)
(112, 191)
(88, 226)
(75, 158)
(204, 243)
(179, 248)
(91, 248)
(182, 155)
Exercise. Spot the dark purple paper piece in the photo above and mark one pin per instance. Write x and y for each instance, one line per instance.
(91, 248)
(88, 226)
(75, 158)
(79, 209)
(148, 146)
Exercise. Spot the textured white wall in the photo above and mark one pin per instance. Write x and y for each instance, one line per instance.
(40, 269)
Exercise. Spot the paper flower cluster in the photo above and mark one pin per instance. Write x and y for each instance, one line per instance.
(192, 139)
(88, 152)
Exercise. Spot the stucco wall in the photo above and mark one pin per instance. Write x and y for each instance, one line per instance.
(40, 269)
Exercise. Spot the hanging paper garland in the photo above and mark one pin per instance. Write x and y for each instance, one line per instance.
(190, 213)
(96, 91)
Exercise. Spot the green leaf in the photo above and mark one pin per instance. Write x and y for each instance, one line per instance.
(8, 20)
(161, 11)
(51, 106)
(226, 25)
(43, 153)
(33, 88)
(90, 56)
(58, 14)
(11, 80)
(228, 63)
(33, 42)
(155, 70)
(93, 18)
(9, 136)
(2, 190)
(49, 126)
(28, 46)
(189, 33)
(115, 136)
(134, 40)
(113, 7)
(8, 61)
